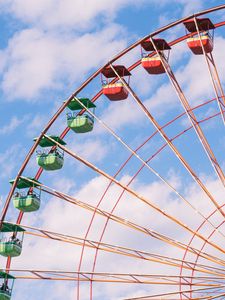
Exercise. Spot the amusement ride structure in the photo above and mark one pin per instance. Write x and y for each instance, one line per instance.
(195, 265)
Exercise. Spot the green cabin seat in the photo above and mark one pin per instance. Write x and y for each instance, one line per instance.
(50, 161)
(6, 286)
(80, 124)
(10, 248)
(26, 203)
(5, 295)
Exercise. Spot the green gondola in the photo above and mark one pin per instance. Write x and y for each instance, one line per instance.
(26, 203)
(54, 159)
(50, 161)
(11, 246)
(80, 123)
(6, 287)
(30, 201)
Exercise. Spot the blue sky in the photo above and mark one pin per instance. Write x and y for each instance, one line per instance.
(47, 49)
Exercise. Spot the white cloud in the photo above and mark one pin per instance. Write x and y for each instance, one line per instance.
(117, 115)
(80, 14)
(93, 150)
(12, 125)
(2, 59)
(36, 60)
(188, 6)
(36, 124)
(9, 160)
(67, 14)
(164, 100)
(30, 64)
(191, 6)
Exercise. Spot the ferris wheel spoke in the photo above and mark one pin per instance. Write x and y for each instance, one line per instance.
(94, 264)
(214, 75)
(168, 141)
(134, 226)
(136, 195)
(216, 297)
(206, 219)
(94, 116)
(190, 115)
(145, 163)
(129, 252)
(105, 277)
(178, 293)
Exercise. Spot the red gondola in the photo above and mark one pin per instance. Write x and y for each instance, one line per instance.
(205, 39)
(196, 46)
(154, 65)
(115, 91)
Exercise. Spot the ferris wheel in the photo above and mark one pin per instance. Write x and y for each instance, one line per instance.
(142, 215)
